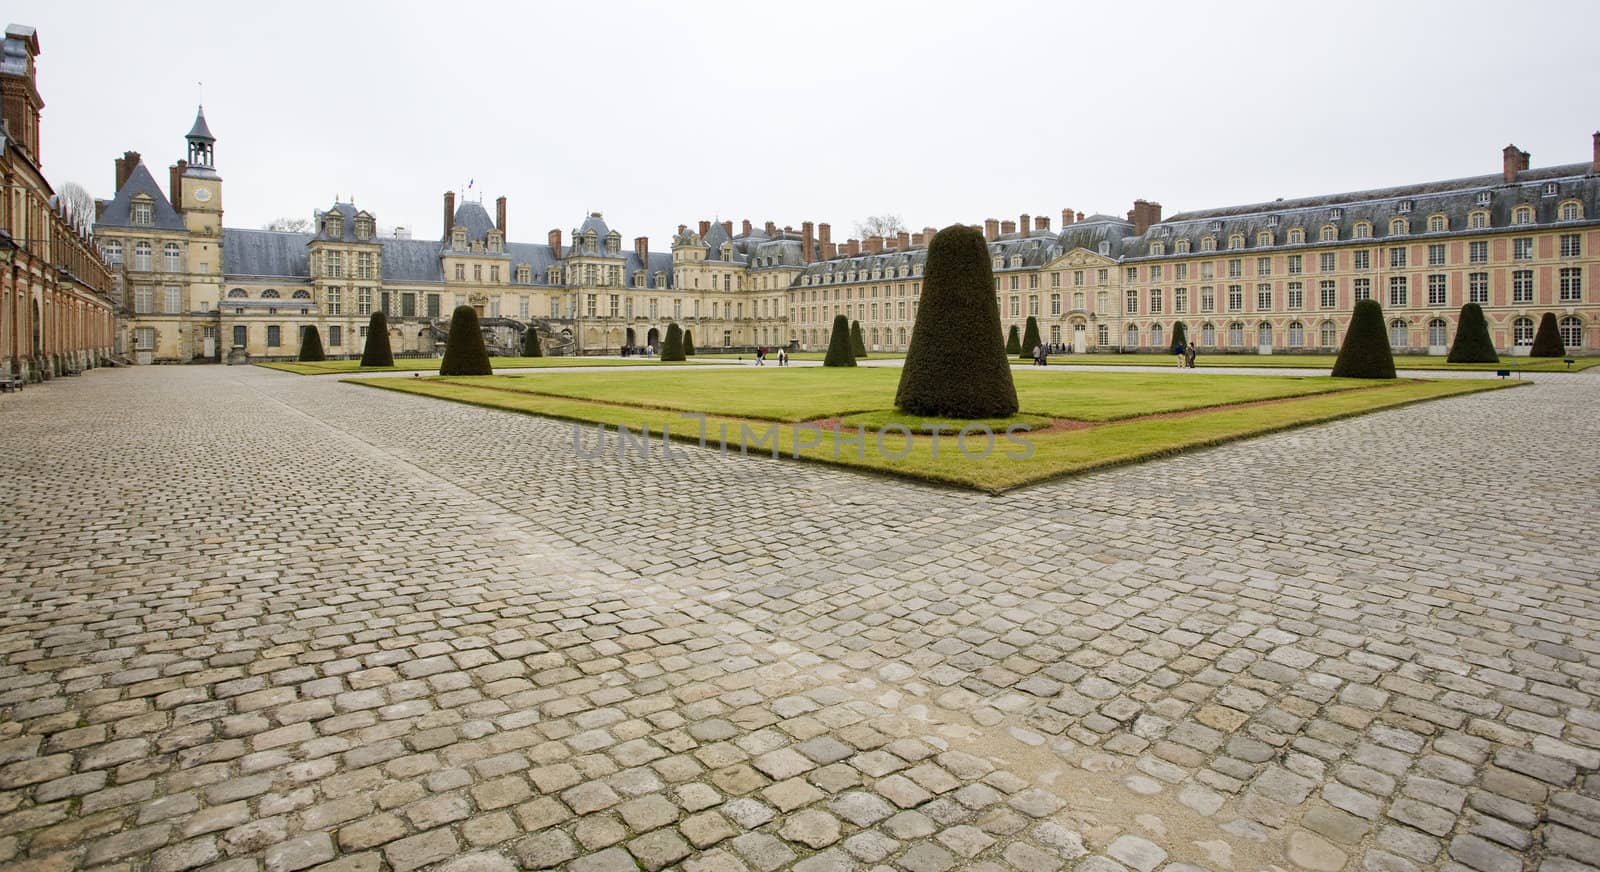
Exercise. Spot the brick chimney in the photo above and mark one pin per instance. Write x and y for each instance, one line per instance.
(902, 241)
(641, 250)
(1041, 222)
(928, 233)
(808, 246)
(825, 234)
(916, 240)
(1144, 214)
(1066, 218)
(746, 227)
(130, 160)
(1595, 167)
(727, 227)
(681, 228)
(1007, 228)
(1078, 217)
(555, 244)
(1513, 161)
(828, 250)
(772, 229)
(500, 215)
(705, 227)
(874, 244)
(852, 248)
(449, 213)
(1023, 223)
(991, 229)
(175, 183)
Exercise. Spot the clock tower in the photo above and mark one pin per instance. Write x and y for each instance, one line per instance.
(201, 205)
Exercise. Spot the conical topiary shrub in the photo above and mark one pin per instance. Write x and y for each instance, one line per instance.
(531, 347)
(839, 351)
(672, 346)
(464, 353)
(956, 366)
(1030, 338)
(311, 346)
(1365, 352)
(1472, 344)
(688, 343)
(1013, 339)
(858, 342)
(1180, 335)
(376, 352)
(1547, 341)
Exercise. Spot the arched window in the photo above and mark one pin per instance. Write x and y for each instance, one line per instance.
(1399, 227)
(1236, 240)
(1208, 243)
(1571, 210)
(1522, 215)
(1133, 336)
(237, 294)
(1330, 334)
(1477, 220)
(1157, 249)
(269, 294)
(1436, 332)
(1329, 233)
(1264, 238)
(1522, 331)
(902, 337)
(1297, 334)
(1363, 230)
(301, 295)
(172, 257)
(141, 256)
(1156, 334)
(1572, 333)
(1236, 334)
(1181, 246)
(1264, 334)
(1398, 337)
(1208, 334)
(1438, 223)
(1296, 236)
(111, 250)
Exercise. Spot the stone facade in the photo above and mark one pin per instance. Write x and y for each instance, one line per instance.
(1273, 277)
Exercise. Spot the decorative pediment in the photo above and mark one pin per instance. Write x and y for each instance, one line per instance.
(1081, 257)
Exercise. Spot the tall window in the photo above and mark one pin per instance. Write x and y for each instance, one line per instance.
(172, 258)
(1235, 268)
(1296, 264)
(1297, 295)
(1397, 257)
(1362, 260)
(1327, 297)
(1398, 334)
(143, 213)
(1571, 285)
(172, 300)
(1522, 248)
(1478, 287)
(335, 335)
(364, 265)
(1325, 261)
(1133, 336)
(1571, 332)
(112, 252)
(1436, 294)
(1397, 290)
(1436, 254)
(1264, 335)
(1208, 334)
(1263, 266)
(1055, 304)
(363, 301)
(1330, 334)
(143, 299)
(1102, 335)
(1180, 300)
(1132, 306)
(1477, 252)
(1436, 332)
(274, 336)
(1522, 331)
(333, 264)
(1156, 301)
(335, 300)
(142, 257)
(1263, 298)
(1236, 334)
(1297, 334)
(1522, 286)
(1208, 299)
(1363, 289)
(1235, 298)
(1571, 245)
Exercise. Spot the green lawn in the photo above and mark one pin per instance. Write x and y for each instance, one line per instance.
(1318, 361)
(1110, 414)
(425, 364)
(772, 357)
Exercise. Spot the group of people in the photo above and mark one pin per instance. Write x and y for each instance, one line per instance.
(638, 351)
(1041, 355)
(761, 356)
(1185, 353)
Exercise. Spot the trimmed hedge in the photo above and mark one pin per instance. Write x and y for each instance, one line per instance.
(1180, 336)
(1365, 352)
(1472, 343)
(464, 353)
(531, 346)
(1013, 339)
(1547, 341)
(839, 351)
(957, 366)
(376, 352)
(858, 343)
(688, 343)
(672, 346)
(1030, 338)
(311, 346)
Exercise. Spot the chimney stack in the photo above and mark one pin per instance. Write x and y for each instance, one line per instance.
(1066, 218)
(808, 246)
(1041, 222)
(874, 244)
(852, 248)
(705, 227)
(125, 167)
(175, 184)
(991, 229)
(449, 213)
(772, 229)
(1078, 217)
(1007, 228)
(825, 234)
(1513, 161)
(681, 228)
(1143, 215)
(500, 215)
(555, 244)
(641, 249)
(1595, 167)
(916, 239)
(1023, 223)
(902, 241)
(727, 227)
(746, 227)
(927, 234)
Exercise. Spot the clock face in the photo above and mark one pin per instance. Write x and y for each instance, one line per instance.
(202, 194)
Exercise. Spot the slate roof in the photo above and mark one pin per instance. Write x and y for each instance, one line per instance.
(1090, 232)
(347, 212)
(412, 260)
(265, 253)
(200, 130)
(475, 219)
(119, 212)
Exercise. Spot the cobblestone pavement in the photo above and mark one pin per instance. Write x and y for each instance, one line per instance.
(253, 621)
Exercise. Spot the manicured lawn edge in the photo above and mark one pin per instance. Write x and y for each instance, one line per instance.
(352, 367)
(1315, 361)
(1056, 455)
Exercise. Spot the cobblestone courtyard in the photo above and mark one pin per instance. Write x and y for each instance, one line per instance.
(253, 621)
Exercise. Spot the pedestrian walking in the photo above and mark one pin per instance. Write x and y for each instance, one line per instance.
(783, 357)
(1189, 354)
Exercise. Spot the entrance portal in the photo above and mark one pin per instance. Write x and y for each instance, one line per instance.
(653, 338)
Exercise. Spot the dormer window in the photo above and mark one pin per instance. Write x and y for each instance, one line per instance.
(1296, 236)
(363, 228)
(661, 279)
(1272, 221)
(998, 262)
(524, 275)
(1399, 227)
(1157, 249)
(1438, 224)
(1338, 215)
(144, 213)
(458, 238)
(1403, 206)
(1550, 189)
(1236, 240)
(1181, 246)
(1522, 215)
(1363, 230)
(1478, 220)
(552, 276)
(1105, 248)
(1329, 233)
(1484, 198)
(589, 241)
(1016, 261)
(1216, 227)
(1264, 238)
(613, 242)
(1571, 210)
(1208, 243)
(334, 226)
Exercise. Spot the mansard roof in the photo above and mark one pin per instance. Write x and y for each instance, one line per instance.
(475, 220)
(593, 221)
(274, 253)
(348, 213)
(1092, 231)
(119, 212)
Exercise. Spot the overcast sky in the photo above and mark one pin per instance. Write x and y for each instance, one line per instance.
(661, 114)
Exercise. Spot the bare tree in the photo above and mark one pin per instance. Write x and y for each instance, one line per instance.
(292, 225)
(78, 200)
(879, 225)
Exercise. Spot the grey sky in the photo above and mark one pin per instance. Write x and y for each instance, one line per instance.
(661, 114)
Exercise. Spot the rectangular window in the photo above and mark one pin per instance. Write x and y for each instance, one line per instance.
(1296, 264)
(1263, 298)
(1235, 268)
(1077, 278)
(1235, 298)
(1478, 252)
(1571, 285)
(1016, 307)
(477, 272)
(1362, 260)
(1033, 284)
(172, 303)
(461, 272)
(616, 305)
(1155, 301)
(1180, 300)
(1522, 286)
(1055, 304)
(144, 300)
(1397, 257)
(1208, 299)
(1363, 289)
(1033, 305)
(1102, 276)
(1055, 282)
(1522, 249)
(364, 265)
(1132, 307)
(1208, 270)
(144, 338)
(1327, 262)
(1327, 296)
(1397, 290)
(1571, 245)
(1297, 295)
(1478, 287)
(364, 301)
(1263, 266)
(1436, 293)
(1133, 274)
(408, 305)
(1014, 284)
(274, 335)
(335, 335)
(333, 264)
(494, 273)
(1181, 272)
(1436, 254)
(433, 305)
(335, 304)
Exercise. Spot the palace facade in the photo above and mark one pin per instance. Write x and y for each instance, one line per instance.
(57, 313)
(1264, 278)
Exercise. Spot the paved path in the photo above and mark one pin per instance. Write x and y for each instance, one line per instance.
(254, 621)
